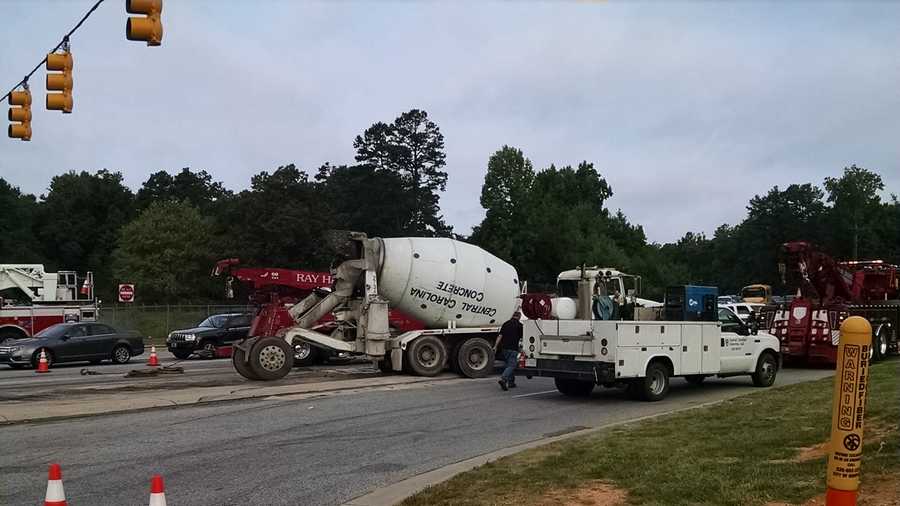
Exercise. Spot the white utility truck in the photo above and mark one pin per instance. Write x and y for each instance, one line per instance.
(644, 353)
(461, 293)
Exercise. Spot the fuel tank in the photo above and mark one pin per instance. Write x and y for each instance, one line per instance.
(440, 280)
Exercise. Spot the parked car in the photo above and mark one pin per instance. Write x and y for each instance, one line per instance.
(73, 342)
(728, 299)
(217, 330)
(743, 309)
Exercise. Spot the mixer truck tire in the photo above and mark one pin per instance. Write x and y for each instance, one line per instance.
(426, 356)
(384, 365)
(305, 354)
(239, 358)
(475, 358)
(271, 358)
(453, 355)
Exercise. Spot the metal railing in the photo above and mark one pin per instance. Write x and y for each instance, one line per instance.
(155, 322)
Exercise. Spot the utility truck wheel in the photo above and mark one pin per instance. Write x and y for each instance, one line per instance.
(305, 354)
(426, 356)
(475, 358)
(271, 358)
(574, 387)
(655, 385)
(239, 359)
(695, 379)
(766, 370)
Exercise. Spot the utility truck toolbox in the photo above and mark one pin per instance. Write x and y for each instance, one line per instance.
(644, 355)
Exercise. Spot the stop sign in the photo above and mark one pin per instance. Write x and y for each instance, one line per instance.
(126, 293)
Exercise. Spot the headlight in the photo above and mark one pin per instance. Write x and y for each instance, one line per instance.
(14, 349)
(190, 337)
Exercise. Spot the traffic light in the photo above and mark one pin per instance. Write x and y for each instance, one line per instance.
(20, 114)
(149, 28)
(59, 80)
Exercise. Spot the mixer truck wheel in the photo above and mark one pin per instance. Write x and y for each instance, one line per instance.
(427, 356)
(239, 360)
(453, 356)
(475, 358)
(271, 358)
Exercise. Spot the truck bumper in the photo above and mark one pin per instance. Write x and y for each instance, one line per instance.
(597, 372)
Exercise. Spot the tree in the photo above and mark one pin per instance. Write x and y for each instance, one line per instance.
(18, 243)
(793, 214)
(412, 147)
(504, 197)
(567, 224)
(363, 198)
(196, 188)
(169, 266)
(279, 221)
(78, 222)
(855, 201)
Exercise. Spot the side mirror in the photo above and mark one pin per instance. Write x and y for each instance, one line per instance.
(743, 331)
(64, 337)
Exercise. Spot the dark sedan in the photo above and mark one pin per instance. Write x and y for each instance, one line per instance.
(73, 342)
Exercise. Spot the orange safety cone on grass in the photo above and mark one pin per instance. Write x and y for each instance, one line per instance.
(157, 491)
(153, 361)
(55, 495)
(43, 365)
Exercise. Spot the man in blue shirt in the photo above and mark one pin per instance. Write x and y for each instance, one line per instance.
(508, 342)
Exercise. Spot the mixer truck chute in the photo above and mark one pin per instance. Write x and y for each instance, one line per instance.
(460, 293)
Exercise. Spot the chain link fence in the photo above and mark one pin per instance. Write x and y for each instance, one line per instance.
(155, 322)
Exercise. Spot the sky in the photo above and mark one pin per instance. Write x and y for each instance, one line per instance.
(687, 109)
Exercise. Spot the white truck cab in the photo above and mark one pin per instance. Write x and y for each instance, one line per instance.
(644, 355)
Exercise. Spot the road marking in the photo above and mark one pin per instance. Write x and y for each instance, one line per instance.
(533, 393)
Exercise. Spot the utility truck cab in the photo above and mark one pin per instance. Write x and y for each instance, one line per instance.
(644, 354)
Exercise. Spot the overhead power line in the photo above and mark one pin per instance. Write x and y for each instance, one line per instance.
(64, 40)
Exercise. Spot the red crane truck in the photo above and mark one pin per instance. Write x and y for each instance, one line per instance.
(830, 291)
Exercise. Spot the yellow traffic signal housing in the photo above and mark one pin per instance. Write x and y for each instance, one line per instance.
(20, 114)
(61, 62)
(149, 28)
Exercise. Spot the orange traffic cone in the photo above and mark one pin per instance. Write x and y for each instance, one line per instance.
(157, 491)
(43, 365)
(153, 361)
(55, 495)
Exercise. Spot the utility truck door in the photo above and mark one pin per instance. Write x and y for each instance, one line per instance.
(736, 343)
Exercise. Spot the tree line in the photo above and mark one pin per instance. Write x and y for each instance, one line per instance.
(166, 236)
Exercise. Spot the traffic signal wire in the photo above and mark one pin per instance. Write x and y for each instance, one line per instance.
(63, 42)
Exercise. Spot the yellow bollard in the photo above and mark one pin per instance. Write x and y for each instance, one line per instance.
(848, 410)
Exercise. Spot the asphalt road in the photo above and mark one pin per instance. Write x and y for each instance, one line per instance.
(67, 379)
(319, 451)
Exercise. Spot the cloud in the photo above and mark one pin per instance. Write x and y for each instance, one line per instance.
(687, 109)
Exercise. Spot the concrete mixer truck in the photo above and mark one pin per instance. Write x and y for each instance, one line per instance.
(461, 293)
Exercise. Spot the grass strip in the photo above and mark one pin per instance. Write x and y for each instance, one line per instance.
(740, 452)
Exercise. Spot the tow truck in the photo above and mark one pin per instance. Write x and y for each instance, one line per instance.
(828, 292)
